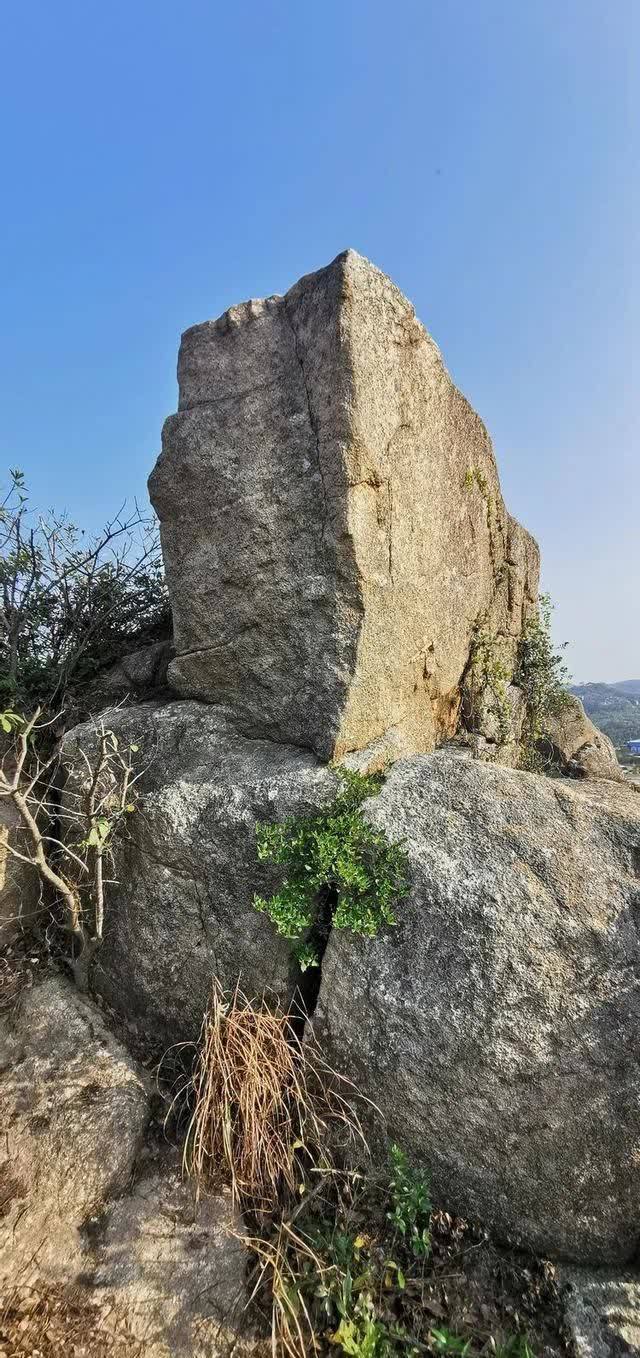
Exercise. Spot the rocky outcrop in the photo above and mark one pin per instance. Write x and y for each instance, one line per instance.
(175, 1268)
(332, 521)
(139, 675)
(496, 1027)
(181, 911)
(575, 745)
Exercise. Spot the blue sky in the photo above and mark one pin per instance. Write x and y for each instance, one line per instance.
(163, 160)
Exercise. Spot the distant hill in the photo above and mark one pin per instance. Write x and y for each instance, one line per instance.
(630, 686)
(615, 708)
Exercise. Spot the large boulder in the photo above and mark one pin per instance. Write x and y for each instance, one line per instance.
(497, 1026)
(580, 749)
(332, 522)
(181, 909)
(96, 1219)
(73, 1111)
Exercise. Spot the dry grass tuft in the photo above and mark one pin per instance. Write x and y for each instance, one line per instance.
(282, 1259)
(266, 1107)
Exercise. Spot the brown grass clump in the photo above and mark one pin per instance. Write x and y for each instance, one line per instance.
(266, 1107)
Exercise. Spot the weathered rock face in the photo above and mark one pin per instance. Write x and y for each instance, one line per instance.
(20, 891)
(497, 1026)
(87, 1206)
(182, 910)
(602, 1311)
(73, 1110)
(577, 746)
(332, 522)
(139, 674)
(175, 1267)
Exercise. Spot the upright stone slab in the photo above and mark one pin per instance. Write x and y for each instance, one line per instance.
(332, 522)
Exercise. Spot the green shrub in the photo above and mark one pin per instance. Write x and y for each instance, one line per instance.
(487, 680)
(543, 677)
(411, 1207)
(71, 604)
(334, 855)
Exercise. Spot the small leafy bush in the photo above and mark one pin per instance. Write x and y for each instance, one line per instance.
(411, 1207)
(335, 854)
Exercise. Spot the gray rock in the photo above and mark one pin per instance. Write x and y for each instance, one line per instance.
(603, 1312)
(85, 1206)
(181, 911)
(73, 1110)
(497, 1025)
(332, 522)
(573, 742)
(139, 674)
(174, 1268)
(20, 887)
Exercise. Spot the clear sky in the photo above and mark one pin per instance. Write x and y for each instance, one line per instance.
(163, 159)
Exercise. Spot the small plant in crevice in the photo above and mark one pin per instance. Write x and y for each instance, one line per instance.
(474, 476)
(542, 675)
(337, 856)
(486, 684)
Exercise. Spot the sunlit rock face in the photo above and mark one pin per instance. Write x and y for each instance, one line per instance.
(332, 521)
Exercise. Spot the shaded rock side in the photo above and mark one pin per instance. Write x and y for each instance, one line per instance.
(181, 910)
(73, 1111)
(497, 1025)
(20, 889)
(137, 675)
(603, 1311)
(331, 517)
(578, 747)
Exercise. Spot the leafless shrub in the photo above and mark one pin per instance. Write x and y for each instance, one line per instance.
(70, 841)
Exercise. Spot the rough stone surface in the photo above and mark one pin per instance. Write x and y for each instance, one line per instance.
(603, 1312)
(182, 910)
(20, 892)
(85, 1205)
(497, 1025)
(139, 674)
(174, 1268)
(573, 742)
(73, 1110)
(332, 522)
